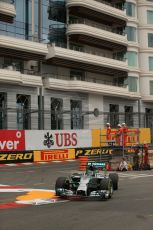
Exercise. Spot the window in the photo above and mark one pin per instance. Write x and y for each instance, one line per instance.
(114, 114)
(149, 17)
(128, 115)
(149, 115)
(131, 33)
(132, 58)
(77, 75)
(3, 111)
(132, 84)
(23, 111)
(150, 63)
(150, 40)
(76, 47)
(56, 113)
(130, 9)
(76, 114)
(151, 87)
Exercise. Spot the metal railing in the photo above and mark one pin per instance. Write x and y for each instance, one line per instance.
(9, 119)
(85, 79)
(23, 31)
(20, 69)
(111, 4)
(8, 1)
(96, 25)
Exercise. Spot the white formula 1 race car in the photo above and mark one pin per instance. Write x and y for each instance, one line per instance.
(91, 185)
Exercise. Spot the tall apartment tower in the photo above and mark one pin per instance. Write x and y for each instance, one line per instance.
(69, 57)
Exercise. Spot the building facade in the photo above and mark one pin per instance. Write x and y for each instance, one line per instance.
(61, 60)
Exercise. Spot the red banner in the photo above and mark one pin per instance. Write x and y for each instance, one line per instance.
(12, 140)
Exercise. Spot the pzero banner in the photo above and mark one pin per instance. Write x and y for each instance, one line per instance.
(57, 139)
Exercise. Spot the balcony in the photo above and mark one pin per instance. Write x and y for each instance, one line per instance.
(7, 11)
(97, 10)
(84, 31)
(85, 61)
(11, 76)
(101, 87)
(21, 48)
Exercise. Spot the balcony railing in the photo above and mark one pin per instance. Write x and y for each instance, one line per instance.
(23, 31)
(93, 52)
(120, 7)
(96, 25)
(20, 69)
(91, 80)
(8, 1)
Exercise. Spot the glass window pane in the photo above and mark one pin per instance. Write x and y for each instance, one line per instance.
(150, 40)
(150, 63)
(132, 58)
(151, 87)
(132, 84)
(131, 33)
(130, 9)
(149, 17)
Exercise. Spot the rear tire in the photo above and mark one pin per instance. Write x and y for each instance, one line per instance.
(114, 178)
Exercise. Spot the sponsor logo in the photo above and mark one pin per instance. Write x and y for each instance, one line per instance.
(11, 140)
(54, 155)
(48, 140)
(60, 139)
(89, 152)
(15, 156)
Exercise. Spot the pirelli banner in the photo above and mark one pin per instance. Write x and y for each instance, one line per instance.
(16, 157)
(54, 155)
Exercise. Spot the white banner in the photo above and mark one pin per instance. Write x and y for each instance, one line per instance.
(57, 139)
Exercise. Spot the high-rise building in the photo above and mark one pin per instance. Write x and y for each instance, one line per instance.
(70, 57)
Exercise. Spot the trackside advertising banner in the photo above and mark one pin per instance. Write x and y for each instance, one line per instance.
(51, 155)
(12, 140)
(57, 139)
(16, 157)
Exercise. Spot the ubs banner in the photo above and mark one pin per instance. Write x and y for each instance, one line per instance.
(57, 139)
(16, 157)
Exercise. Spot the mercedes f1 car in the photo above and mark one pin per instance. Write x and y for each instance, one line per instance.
(93, 184)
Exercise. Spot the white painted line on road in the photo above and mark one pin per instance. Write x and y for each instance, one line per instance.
(134, 176)
(28, 163)
(10, 164)
(43, 162)
(38, 183)
(57, 161)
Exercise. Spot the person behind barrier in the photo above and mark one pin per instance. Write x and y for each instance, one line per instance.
(108, 131)
(119, 133)
(125, 133)
(123, 165)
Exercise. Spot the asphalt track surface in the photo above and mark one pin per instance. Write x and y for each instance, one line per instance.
(131, 207)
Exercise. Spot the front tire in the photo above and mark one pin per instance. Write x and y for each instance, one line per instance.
(61, 183)
(106, 184)
(114, 178)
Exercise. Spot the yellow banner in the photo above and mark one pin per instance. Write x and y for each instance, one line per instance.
(134, 136)
(52, 155)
